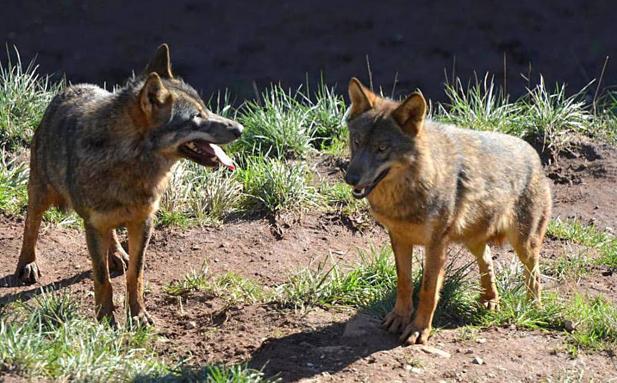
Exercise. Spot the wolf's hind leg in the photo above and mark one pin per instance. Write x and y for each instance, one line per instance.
(39, 200)
(98, 246)
(489, 297)
(139, 237)
(118, 258)
(529, 254)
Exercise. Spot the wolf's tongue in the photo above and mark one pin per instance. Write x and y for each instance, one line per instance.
(216, 151)
(222, 156)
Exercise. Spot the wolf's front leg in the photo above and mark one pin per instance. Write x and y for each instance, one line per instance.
(98, 244)
(434, 261)
(398, 319)
(139, 236)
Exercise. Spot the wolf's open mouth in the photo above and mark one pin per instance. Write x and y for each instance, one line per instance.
(205, 153)
(362, 191)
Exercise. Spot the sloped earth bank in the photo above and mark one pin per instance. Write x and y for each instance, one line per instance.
(336, 344)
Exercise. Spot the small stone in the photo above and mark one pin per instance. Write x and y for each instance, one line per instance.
(569, 326)
(435, 351)
(195, 247)
(477, 360)
(417, 370)
(191, 324)
(481, 340)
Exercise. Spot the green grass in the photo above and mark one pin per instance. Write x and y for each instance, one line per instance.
(231, 287)
(199, 195)
(287, 124)
(272, 186)
(594, 318)
(571, 266)
(370, 281)
(543, 114)
(587, 235)
(48, 338)
(338, 195)
(480, 106)
(371, 285)
(595, 323)
(13, 184)
(24, 95)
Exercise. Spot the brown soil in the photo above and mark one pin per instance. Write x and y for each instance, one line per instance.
(334, 344)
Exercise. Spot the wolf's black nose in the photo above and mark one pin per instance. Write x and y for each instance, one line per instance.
(352, 178)
(236, 130)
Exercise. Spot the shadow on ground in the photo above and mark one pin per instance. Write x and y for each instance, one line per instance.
(11, 281)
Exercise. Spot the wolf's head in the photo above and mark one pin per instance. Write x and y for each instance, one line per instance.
(382, 136)
(175, 118)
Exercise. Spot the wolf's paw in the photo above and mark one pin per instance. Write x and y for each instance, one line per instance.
(28, 274)
(142, 319)
(395, 322)
(416, 334)
(118, 261)
(490, 304)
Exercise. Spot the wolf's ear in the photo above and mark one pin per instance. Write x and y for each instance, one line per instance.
(410, 114)
(160, 63)
(155, 100)
(362, 99)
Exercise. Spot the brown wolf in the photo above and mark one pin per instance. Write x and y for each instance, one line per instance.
(108, 156)
(432, 184)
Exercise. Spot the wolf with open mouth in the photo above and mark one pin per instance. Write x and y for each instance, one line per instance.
(108, 156)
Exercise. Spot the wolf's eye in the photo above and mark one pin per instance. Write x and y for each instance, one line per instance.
(356, 142)
(382, 147)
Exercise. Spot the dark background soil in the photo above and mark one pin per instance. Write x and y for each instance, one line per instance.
(230, 44)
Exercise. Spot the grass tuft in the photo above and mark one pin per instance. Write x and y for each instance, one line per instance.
(24, 95)
(14, 174)
(587, 235)
(231, 287)
(279, 126)
(199, 195)
(272, 186)
(49, 339)
(480, 106)
(370, 281)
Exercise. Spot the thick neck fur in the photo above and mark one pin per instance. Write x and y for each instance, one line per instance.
(403, 194)
(130, 153)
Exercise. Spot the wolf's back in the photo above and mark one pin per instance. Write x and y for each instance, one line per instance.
(72, 115)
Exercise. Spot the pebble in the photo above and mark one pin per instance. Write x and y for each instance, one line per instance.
(191, 324)
(569, 326)
(435, 351)
(481, 340)
(477, 360)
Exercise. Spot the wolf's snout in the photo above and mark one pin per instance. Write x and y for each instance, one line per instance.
(352, 178)
(236, 129)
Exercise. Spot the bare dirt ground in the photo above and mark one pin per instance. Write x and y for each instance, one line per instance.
(335, 344)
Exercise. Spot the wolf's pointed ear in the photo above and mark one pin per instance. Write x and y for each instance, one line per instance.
(160, 63)
(155, 100)
(362, 99)
(411, 113)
